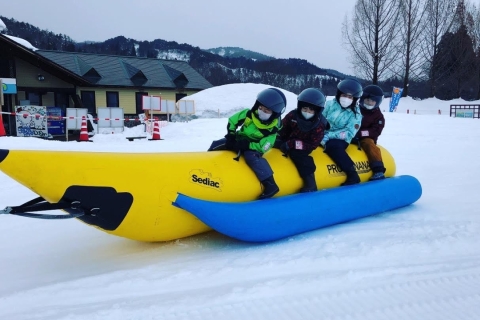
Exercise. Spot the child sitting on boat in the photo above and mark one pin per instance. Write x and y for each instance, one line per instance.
(301, 133)
(371, 128)
(252, 132)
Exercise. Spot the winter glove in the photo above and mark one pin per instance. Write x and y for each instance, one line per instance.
(324, 142)
(242, 145)
(277, 143)
(230, 141)
(356, 141)
(285, 149)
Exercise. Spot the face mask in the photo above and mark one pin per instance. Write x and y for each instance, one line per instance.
(345, 102)
(307, 115)
(263, 115)
(366, 106)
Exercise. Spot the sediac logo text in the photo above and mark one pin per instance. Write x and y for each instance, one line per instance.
(205, 179)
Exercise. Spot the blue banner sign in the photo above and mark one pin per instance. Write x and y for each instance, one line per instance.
(9, 85)
(396, 95)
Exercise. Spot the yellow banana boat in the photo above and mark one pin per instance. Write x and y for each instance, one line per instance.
(119, 201)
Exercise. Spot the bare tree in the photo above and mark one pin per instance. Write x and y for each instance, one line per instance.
(412, 15)
(475, 34)
(371, 37)
(438, 20)
(463, 17)
(476, 26)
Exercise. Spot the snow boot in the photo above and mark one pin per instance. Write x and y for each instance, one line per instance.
(270, 188)
(309, 184)
(377, 176)
(352, 177)
(378, 170)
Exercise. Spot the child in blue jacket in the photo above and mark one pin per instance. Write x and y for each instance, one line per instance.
(344, 119)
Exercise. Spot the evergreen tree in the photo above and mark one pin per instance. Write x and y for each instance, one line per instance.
(454, 64)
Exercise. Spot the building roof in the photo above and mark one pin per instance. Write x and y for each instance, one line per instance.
(123, 71)
(11, 48)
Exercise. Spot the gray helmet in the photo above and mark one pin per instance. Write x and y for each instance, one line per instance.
(273, 99)
(372, 92)
(312, 96)
(350, 86)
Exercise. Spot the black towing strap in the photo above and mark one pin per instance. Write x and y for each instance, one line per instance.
(40, 204)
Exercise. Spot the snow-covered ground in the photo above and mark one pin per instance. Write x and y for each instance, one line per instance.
(419, 262)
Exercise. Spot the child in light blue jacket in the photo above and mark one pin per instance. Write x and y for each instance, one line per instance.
(344, 120)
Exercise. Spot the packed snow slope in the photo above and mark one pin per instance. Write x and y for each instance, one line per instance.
(419, 262)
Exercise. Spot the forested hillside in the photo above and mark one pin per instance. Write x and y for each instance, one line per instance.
(217, 67)
(225, 65)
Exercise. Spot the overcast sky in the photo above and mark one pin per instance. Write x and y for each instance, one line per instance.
(306, 29)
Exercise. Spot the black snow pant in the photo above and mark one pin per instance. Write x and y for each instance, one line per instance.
(336, 150)
(258, 164)
(303, 162)
(254, 160)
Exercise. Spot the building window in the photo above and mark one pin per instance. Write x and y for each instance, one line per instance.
(61, 100)
(88, 101)
(112, 99)
(6, 67)
(34, 98)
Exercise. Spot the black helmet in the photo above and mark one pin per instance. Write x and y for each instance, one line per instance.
(374, 93)
(350, 86)
(273, 99)
(311, 97)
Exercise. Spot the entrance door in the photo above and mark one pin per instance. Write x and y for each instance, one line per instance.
(88, 101)
(179, 96)
(138, 101)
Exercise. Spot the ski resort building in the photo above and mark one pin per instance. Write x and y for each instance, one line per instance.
(91, 81)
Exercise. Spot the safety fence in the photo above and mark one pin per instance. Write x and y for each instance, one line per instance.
(35, 122)
(59, 118)
(424, 112)
(465, 111)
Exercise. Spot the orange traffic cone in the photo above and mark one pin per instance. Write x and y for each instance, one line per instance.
(156, 131)
(84, 131)
(2, 128)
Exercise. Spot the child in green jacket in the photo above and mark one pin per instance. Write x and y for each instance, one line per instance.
(256, 134)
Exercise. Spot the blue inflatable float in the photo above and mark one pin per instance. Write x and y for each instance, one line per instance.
(277, 218)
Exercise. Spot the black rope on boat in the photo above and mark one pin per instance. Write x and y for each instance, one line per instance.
(239, 154)
(358, 145)
(40, 204)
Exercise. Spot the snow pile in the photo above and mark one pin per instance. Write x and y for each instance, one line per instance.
(2, 26)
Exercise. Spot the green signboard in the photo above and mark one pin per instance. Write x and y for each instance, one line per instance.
(464, 113)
